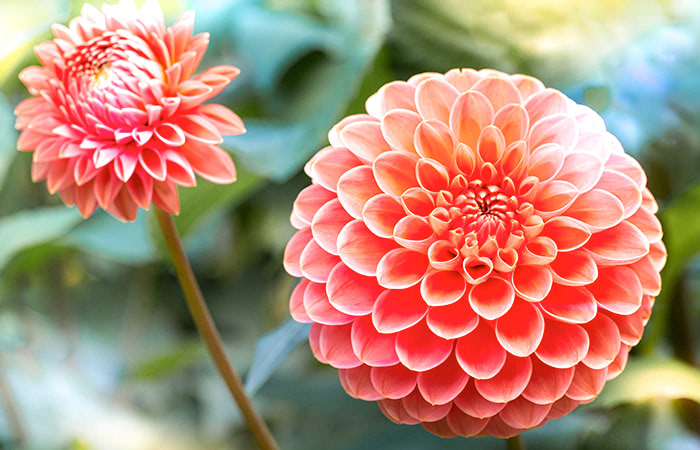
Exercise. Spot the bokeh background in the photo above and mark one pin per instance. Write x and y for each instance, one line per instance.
(97, 350)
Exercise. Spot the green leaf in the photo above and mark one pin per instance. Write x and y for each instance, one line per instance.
(647, 379)
(271, 350)
(172, 361)
(33, 227)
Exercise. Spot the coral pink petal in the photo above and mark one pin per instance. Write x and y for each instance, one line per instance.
(648, 224)
(393, 382)
(292, 253)
(401, 268)
(545, 103)
(331, 165)
(395, 411)
(355, 187)
(532, 282)
(395, 172)
(326, 224)
(365, 139)
(296, 303)
(433, 139)
(316, 263)
(432, 175)
(360, 249)
(394, 95)
(439, 428)
(563, 345)
(553, 197)
(420, 349)
(527, 85)
(381, 214)
(562, 407)
(508, 383)
(434, 99)
(211, 163)
(414, 232)
(618, 365)
(418, 407)
(581, 169)
(521, 413)
(598, 209)
(443, 287)
(491, 145)
(499, 91)
(309, 200)
(479, 352)
(567, 233)
(492, 298)
(521, 329)
(575, 268)
(399, 128)
(513, 122)
(470, 114)
(473, 404)
(443, 383)
(396, 310)
(372, 347)
(357, 383)
(547, 384)
(350, 292)
(587, 383)
(570, 304)
(648, 276)
(545, 161)
(319, 309)
(605, 342)
(225, 120)
(452, 321)
(618, 290)
(558, 129)
(463, 424)
(334, 343)
(622, 187)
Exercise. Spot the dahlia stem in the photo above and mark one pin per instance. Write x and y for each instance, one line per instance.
(208, 331)
(516, 443)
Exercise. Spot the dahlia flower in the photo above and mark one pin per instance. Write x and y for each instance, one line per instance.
(116, 119)
(478, 255)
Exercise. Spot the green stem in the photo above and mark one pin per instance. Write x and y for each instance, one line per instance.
(207, 329)
(516, 443)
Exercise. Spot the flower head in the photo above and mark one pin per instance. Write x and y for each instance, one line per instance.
(478, 254)
(116, 120)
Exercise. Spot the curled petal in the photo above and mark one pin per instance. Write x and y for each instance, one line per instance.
(575, 268)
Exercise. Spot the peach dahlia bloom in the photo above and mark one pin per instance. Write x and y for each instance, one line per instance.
(115, 120)
(477, 253)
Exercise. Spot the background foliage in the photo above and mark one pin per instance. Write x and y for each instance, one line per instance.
(96, 347)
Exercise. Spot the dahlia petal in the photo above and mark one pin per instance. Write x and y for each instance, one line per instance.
(527, 85)
(350, 292)
(627, 165)
(334, 134)
(165, 196)
(401, 268)
(420, 349)
(479, 352)
(452, 321)
(199, 129)
(566, 232)
(442, 287)
(532, 282)
(553, 197)
(545, 161)
(319, 309)
(492, 298)
(500, 91)
(605, 342)
(211, 163)
(395, 411)
(417, 201)
(648, 276)
(179, 169)
(334, 343)
(355, 187)
(631, 327)
(356, 382)
(395, 172)
(649, 202)
(521, 329)
(617, 289)
(417, 407)
(123, 206)
(394, 95)
(658, 255)
(570, 304)
(372, 347)
(414, 232)
(432, 176)
(562, 407)
(587, 383)
(622, 187)
(540, 250)
(563, 345)
(462, 79)
(85, 200)
(170, 134)
(399, 127)
(327, 222)
(513, 122)
(434, 99)
(545, 103)
(474, 405)
(547, 384)
(521, 413)
(575, 268)
(581, 169)
(471, 112)
(618, 365)
(439, 428)
(598, 209)
(296, 303)
(464, 159)
(393, 382)
(331, 165)
(558, 129)
(365, 139)
(508, 383)
(293, 250)
(106, 188)
(463, 424)
(316, 263)
(491, 144)
(360, 249)
(396, 310)
(310, 200)
(622, 244)
(433, 139)
(442, 384)
(477, 270)
(140, 187)
(648, 224)
(381, 214)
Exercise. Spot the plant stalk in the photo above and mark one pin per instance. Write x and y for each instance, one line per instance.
(516, 443)
(207, 329)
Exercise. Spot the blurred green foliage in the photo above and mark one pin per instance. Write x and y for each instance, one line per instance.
(97, 349)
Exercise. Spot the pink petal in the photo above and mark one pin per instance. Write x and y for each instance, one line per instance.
(464, 159)
(394, 95)
(622, 187)
(440, 428)
(432, 176)
(491, 144)
(532, 282)
(521, 413)
(309, 200)
(320, 310)
(165, 196)
(452, 321)
(648, 276)
(365, 139)
(417, 201)
(360, 249)
(521, 329)
(393, 382)
(334, 135)
(618, 290)
(355, 187)
(648, 224)
(479, 352)
(492, 298)
(575, 268)
(559, 129)
(381, 214)
(316, 263)
(622, 244)
(398, 128)
(598, 209)
(334, 344)
(434, 99)
(331, 165)
(292, 253)
(513, 121)
(199, 129)
(471, 112)
(140, 187)
(433, 139)
(508, 383)
(327, 223)
(629, 166)
(562, 407)
(414, 232)
(567, 233)
(547, 384)
(443, 383)
(372, 347)
(618, 365)
(417, 407)
(563, 345)
(170, 134)
(553, 197)
(443, 287)
(545, 161)
(500, 91)
(395, 172)
(357, 383)
(570, 304)
(401, 268)
(463, 424)
(474, 405)
(394, 411)
(545, 103)
(420, 349)
(211, 163)
(581, 169)
(350, 292)
(150, 160)
(587, 383)
(396, 310)
(296, 303)
(225, 120)
(605, 342)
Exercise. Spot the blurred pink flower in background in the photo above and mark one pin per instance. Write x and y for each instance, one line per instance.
(116, 119)
(477, 253)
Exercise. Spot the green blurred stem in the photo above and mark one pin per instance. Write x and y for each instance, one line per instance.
(10, 407)
(208, 331)
(516, 443)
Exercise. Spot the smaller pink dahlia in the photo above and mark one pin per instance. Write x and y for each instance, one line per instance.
(116, 120)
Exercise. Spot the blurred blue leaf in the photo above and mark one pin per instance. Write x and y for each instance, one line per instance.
(8, 136)
(271, 350)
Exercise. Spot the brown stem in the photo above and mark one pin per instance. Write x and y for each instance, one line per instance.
(207, 329)
(516, 443)
(10, 407)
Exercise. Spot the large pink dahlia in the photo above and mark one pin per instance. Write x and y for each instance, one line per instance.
(115, 120)
(477, 253)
